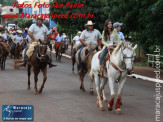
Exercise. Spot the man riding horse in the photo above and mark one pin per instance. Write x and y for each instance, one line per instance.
(37, 32)
(89, 39)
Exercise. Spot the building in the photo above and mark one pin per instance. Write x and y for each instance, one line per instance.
(8, 10)
(36, 10)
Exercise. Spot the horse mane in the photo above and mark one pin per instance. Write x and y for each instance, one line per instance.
(117, 48)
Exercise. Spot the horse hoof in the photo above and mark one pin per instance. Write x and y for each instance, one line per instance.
(83, 89)
(40, 91)
(105, 101)
(102, 108)
(110, 108)
(118, 110)
(121, 103)
(28, 88)
(91, 92)
(35, 93)
(80, 87)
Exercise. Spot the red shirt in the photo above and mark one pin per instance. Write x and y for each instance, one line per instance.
(53, 36)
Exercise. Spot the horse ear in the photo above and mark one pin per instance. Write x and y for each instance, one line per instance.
(135, 47)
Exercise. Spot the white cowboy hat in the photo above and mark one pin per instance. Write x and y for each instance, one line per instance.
(19, 31)
(13, 32)
(0, 35)
(79, 32)
(40, 17)
(26, 28)
(89, 23)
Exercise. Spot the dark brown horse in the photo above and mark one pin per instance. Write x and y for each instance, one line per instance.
(38, 61)
(60, 50)
(3, 56)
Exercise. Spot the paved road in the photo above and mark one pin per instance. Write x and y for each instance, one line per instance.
(62, 101)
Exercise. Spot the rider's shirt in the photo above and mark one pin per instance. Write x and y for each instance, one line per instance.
(38, 32)
(59, 38)
(91, 37)
(4, 36)
(12, 36)
(77, 40)
(110, 41)
(24, 34)
(121, 36)
(18, 39)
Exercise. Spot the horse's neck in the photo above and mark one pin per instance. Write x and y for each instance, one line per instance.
(116, 58)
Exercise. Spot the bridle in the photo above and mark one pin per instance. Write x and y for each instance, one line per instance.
(118, 68)
(38, 54)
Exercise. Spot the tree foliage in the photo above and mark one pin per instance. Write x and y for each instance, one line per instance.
(142, 19)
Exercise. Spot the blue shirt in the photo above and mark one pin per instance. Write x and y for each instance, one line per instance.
(24, 34)
(121, 36)
(59, 38)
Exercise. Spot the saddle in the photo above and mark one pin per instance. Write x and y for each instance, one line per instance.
(87, 51)
(57, 45)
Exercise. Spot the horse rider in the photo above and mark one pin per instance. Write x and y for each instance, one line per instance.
(38, 31)
(4, 44)
(76, 44)
(17, 40)
(4, 35)
(117, 26)
(110, 38)
(90, 36)
(58, 40)
(53, 34)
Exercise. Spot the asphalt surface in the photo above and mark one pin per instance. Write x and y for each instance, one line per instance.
(62, 100)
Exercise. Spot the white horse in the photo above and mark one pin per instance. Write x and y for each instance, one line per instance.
(117, 68)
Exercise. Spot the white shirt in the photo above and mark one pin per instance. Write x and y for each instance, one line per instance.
(77, 40)
(4, 36)
(18, 39)
(111, 40)
(38, 32)
(29, 39)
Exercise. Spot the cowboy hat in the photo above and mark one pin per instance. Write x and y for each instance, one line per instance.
(19, 31)
(26, 28)
(40, 17)
(0, 35)
(79, 32)
(89, 23)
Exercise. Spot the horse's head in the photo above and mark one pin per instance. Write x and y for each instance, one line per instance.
(128, 55)
(42, 52)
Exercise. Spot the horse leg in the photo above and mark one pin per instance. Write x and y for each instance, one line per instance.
(111, 102)
(36, 71)
(82, 74)
(29, 74)
(102, 85)
(99, 100)
(91, 85)
(44, 71)
(121, 84)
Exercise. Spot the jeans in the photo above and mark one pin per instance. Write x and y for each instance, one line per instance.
(103, 54)
(25, 51)
(79, 57)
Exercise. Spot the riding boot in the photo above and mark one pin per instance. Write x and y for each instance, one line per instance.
(102, 68)
(50, 62)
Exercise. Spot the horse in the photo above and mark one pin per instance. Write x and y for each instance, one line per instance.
(38, 61)
(60, 50)
(86, 65)
(117, 67)
(3, 56)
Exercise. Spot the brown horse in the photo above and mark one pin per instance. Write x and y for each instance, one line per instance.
(38, 61)
(86, 66)
(60, 50)
(3, 56)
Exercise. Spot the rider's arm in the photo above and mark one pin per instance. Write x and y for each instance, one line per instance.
(82, 39)
(31, 36)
